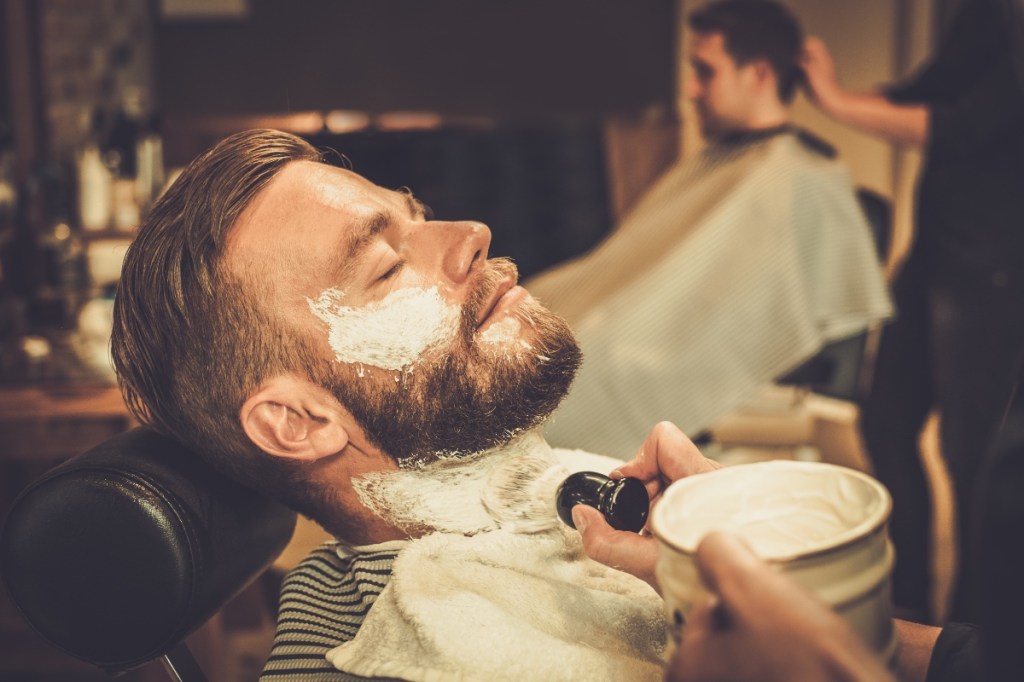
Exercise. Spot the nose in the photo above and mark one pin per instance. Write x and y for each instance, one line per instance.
(465, 251)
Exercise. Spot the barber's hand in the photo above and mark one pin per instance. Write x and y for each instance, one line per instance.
(665, 456)
(760, 625)
(820, 78)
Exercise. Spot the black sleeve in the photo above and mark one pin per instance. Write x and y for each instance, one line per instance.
(971, 87)
(991, 109)
(966, 43)
(957, 656)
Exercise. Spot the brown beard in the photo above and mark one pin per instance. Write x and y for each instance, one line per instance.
(464, 398)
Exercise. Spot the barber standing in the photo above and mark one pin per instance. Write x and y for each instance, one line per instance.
(957, 341)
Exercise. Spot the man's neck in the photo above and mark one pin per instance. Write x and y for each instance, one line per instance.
(500, 487)
(770, 114)
(765, 118)
(747, 135)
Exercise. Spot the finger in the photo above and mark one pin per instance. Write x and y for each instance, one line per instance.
(813, 45)
(730, 569)
(812, 52)
(621, 550)
(644, 464)
(705, 651)
(666, 455)
(749, 588)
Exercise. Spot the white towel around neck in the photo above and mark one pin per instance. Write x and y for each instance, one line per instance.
(507, 605)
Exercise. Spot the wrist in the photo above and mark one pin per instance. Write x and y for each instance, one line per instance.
(833, 101)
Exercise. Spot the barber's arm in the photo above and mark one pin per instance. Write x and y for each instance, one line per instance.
(872, 113)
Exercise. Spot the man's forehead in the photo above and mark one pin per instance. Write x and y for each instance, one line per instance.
(306, 207)
(305, 196)
(708, 47)
(330, 186)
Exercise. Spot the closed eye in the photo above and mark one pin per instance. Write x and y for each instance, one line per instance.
(392, 271)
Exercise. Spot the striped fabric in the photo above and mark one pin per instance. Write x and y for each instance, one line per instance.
(734, 268)
(323, 603)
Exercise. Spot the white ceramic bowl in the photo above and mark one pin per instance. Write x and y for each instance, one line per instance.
(822, 525)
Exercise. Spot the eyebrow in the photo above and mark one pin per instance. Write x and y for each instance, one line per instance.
(368, 228)
(416, 207)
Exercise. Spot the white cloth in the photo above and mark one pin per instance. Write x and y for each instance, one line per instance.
(509, 605)
(731, 270)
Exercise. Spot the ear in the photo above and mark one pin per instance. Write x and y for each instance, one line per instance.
(763, 72)
(292, 417)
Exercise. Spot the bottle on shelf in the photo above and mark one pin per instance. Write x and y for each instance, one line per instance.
(95, 181)
(122, 146)
(62, 284)
(149, 163)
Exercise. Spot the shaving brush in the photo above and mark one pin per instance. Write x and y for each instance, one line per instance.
(526, 483)
(623, 501)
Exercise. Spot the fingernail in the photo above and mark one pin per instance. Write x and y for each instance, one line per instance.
(579, 519)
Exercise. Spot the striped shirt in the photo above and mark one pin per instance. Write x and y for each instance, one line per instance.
(323, 603)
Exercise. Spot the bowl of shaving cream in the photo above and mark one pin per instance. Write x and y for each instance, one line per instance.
(822, 525)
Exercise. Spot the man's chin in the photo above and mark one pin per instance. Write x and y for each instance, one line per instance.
(473, 396)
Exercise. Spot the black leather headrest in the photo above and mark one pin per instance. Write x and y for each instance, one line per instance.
(118, 554)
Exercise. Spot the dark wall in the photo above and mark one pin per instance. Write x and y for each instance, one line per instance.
(5, 86)
(509, 59)
(540, 188)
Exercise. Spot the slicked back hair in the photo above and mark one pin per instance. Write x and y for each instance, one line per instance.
(191, 341)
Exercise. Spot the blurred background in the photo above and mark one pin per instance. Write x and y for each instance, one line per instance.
(546, 119)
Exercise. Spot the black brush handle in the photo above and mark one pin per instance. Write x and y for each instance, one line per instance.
(623, 501)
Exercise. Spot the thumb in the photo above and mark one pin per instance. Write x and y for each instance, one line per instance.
(618, 549)
(728, 567)
(590, 523)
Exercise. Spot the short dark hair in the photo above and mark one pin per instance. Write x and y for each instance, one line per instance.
(757, 29)
(192, 340)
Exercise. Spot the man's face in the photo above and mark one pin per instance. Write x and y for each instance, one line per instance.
(722, 92)
(431, 346)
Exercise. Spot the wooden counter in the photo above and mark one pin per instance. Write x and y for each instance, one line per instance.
(50, 424)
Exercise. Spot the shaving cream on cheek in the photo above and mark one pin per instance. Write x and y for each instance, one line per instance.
(391, 333)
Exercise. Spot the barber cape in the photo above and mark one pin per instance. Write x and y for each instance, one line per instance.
(509, 600)
(731, 270)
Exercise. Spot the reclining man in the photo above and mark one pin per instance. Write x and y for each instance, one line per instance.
(320, 339)
(734, 268)
(325, 341)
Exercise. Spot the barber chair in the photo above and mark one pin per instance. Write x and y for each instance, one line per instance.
(118, 554)
(837, 370)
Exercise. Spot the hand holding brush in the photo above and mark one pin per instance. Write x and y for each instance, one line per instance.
(665, 456)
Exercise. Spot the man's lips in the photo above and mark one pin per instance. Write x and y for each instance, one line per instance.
(506, 295)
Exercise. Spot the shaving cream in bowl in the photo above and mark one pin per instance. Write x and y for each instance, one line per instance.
(822, 525)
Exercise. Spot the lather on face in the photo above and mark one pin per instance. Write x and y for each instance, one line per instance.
(432, 347)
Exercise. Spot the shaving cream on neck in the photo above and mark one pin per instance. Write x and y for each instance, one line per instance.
(392, 333)
(511, 486)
